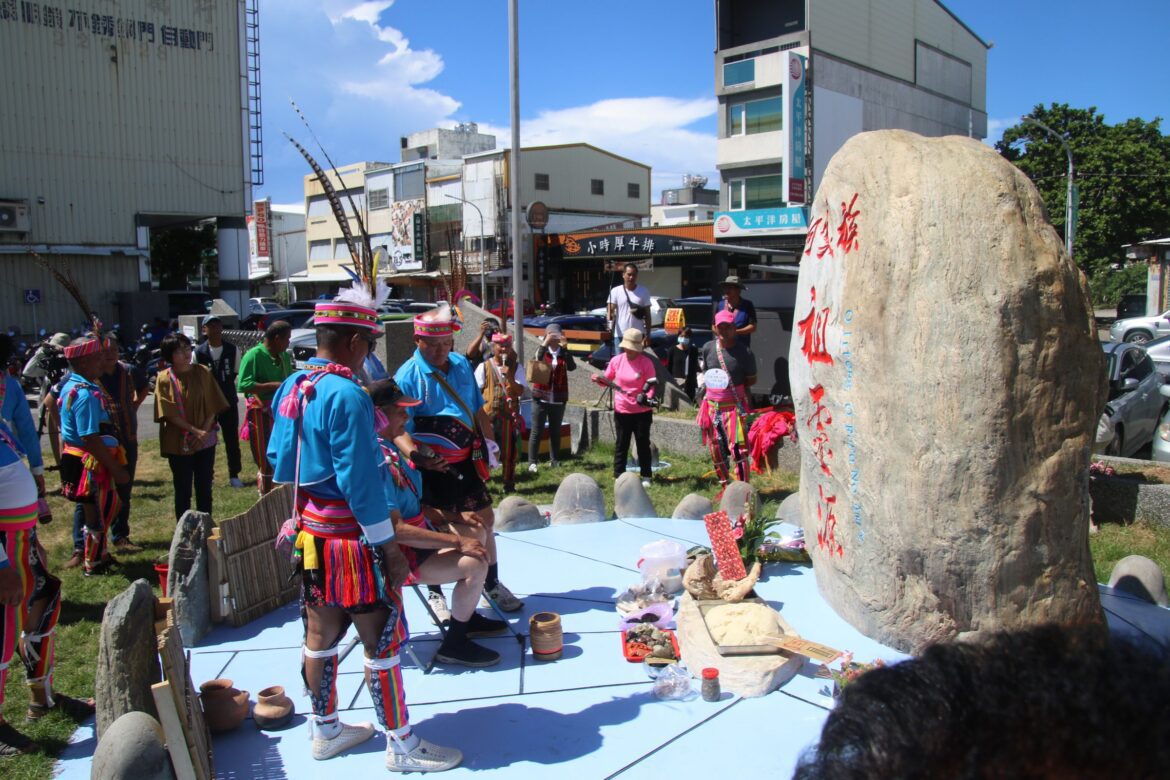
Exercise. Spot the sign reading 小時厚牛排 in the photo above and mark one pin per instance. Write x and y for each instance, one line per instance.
(623, 244)
(87, 25)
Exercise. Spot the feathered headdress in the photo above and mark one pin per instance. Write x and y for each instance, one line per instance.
(366, 289)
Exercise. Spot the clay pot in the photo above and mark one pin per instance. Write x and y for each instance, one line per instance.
(224, 707)
(273, 710)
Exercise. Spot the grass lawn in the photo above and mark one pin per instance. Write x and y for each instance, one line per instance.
(152, 524)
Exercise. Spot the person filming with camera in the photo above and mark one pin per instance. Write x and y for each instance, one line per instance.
(629, 306)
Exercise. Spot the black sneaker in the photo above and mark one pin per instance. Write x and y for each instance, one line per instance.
(465, 653)
(12, 742)
(478, 625)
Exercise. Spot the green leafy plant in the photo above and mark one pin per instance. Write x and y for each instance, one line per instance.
(750, 530)
(848, 670)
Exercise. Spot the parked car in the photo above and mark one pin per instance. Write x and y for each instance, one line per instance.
(658, 306)
(661, 343)
(302, 344)
(1160, 450)
(1135, 406)
(294, 317)
(1139, 330)
(1159, 352)
(1131, 306)
(508, 307)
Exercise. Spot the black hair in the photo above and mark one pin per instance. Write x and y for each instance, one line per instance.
(1045, 701)
(330, 336)
(277, 329)
(171, 342)
(384, 392)
(628, 266)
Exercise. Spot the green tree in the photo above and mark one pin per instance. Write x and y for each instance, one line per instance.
(178, 253)
(1123, 178)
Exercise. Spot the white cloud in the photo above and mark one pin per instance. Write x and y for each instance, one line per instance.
(362, 85)
(651, 130)
(995, 128)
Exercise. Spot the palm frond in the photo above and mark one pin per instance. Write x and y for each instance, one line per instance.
(65, 279)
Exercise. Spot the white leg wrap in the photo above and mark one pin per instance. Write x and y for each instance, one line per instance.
(332, 651)
(29, 641)
(379, 664)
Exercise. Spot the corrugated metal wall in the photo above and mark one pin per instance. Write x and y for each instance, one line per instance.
(113, 109)
(99, 278)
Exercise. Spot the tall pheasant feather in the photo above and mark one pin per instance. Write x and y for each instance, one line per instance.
(362, 254)
(65, 279)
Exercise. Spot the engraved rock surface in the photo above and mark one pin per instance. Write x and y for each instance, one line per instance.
(947, 383)
(188, 579)
(578, 500)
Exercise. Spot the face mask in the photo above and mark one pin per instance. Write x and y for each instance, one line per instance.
(684, 342)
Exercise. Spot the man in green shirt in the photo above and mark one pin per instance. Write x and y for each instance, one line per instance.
(262, 369)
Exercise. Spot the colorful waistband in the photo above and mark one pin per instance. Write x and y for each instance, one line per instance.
(18, 518)
(327, 517)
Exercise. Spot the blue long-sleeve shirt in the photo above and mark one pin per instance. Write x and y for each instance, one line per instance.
(15, 412)
(340, 456)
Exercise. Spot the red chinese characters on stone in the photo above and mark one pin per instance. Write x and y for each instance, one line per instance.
(847, 230)
(827, 524)
(819, 420)
(812, 333)
(818, 237)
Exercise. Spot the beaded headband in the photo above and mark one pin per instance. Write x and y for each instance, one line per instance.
(340, 313)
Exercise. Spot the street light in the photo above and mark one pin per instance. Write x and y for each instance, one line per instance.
(482, 279)
(1069, 207)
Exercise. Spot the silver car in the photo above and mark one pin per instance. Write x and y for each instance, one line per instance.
(1135, 405)
(1139, 330)
(1161, 446)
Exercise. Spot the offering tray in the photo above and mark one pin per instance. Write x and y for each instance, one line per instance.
(706, 606)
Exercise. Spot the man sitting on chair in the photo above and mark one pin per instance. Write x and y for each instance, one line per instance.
(454, 554)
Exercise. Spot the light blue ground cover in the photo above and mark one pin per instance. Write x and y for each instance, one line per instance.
(590, 714)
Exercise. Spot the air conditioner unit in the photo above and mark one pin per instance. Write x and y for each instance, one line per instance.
(13, 216)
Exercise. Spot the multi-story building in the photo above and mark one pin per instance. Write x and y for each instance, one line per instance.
(692, 202)
(121, 118)
(796, 78)
(439, 143)
(582, 187)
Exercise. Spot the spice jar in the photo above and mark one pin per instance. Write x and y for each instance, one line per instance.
(710, 687)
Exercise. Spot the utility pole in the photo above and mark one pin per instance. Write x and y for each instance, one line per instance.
(1070, 213)
(514, 180)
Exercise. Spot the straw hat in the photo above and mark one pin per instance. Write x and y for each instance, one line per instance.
(632, 339)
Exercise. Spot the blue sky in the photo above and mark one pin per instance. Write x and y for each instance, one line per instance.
(632, 76)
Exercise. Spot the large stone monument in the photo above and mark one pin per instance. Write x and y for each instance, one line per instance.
(947, 386)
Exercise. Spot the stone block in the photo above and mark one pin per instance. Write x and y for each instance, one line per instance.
(1138, 575)
(132, 748)
(127, 661)
(188, 580)
(516, 514)
(692, 507)
(630, 498)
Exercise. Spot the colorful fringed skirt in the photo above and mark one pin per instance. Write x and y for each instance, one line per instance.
(338, 568)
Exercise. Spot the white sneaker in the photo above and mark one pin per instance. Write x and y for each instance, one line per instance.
(348, 737)
(532, 468)
(438, 603)
(426, 757)
(646, 483)
(504, 598)
(235, 482)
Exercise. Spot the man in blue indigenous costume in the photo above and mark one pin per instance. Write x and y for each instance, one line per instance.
(447, 435)
(323, 442)
(93, 462)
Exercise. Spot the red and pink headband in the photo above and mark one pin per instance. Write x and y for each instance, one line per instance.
(91, 346)
(432, 328)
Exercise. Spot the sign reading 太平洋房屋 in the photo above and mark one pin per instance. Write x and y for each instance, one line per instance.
(760, 221)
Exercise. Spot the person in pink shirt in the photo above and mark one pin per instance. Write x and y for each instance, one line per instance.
(632, 374)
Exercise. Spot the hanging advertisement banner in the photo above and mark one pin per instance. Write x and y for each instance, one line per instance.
(795, 122)
(260, 238)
